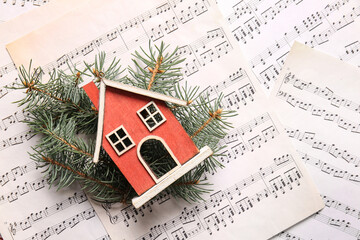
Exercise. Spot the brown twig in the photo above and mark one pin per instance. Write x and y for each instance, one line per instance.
(176, 106)
(195, 182)
(49, 160)
(78, 74)
(155, 71)
(215, 115)
(67, 143)
(31, 87)
(98, 74)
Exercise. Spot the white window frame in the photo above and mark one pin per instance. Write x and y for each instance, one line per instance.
(153, 176)
(151, 115)
(120, 139)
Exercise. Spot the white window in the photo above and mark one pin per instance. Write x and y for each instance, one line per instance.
(120, 140)
(151, 116)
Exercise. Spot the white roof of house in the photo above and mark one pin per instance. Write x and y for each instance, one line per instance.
(144, 92)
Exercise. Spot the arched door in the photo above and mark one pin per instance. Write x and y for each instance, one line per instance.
(156, 157)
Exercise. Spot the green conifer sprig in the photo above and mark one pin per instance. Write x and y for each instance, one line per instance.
(66, 119)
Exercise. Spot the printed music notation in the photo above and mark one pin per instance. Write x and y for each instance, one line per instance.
(223, 207)
(248, 138)
(203, 51)
(66, 224)
(105, 237)
(289, 236)
(339, 224)
(22, 3)
(329, 152)
(233, 136)
(172, 16)
(316, 20)
(233, 78)
(4, 70)
(23, 189)
(309, 24)
(241, 95)
(36, 217)
(249, 21)
(199, 53)
(17, 172)
(276, 184)
(11, 120)
(252, 20)
(320, 112)
(332, 149)
(326, 93)
(342, 207)
(16, 139)
(351, 50)
(261, 130)
(208, 42)
(131, 214)
(4, 90)
(330, 169)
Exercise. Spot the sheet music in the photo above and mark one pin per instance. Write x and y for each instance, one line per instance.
(317, 99)
(29, 210)
(12, 8)
(266, 31)
(261, 169)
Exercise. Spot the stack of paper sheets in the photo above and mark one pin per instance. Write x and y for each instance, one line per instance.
(293, 146)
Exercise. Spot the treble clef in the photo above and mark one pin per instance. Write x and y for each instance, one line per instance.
(287, 77)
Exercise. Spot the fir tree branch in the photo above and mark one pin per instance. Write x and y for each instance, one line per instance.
(67, 143)
(83, 175)
(213, 116)
(155, 71)
(31, 87)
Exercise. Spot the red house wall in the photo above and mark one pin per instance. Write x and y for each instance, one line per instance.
(120, 109)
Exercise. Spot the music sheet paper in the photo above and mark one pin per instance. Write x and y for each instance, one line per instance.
(28, 209)
(263, 189)
(317, 99)
(12, 8)
(266, 31)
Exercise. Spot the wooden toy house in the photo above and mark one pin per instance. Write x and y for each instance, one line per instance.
(129, 119)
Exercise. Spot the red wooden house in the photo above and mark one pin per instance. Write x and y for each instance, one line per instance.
(128, 118)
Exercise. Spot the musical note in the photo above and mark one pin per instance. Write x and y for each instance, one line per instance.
(324, 129)
(339, 224)
(309, 138)
(217, 211)
(8, 88)
(36, 217)
(11, 120)
(330, 169)
(247, 20)
(320, 112)
(6, 69)
(16, 139)
(348, 210)
(351, 50)
(287, 236)
(325, 93)
(66, 224)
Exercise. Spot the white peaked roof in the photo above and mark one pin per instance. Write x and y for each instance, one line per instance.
(103, 84)
(144, 92)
